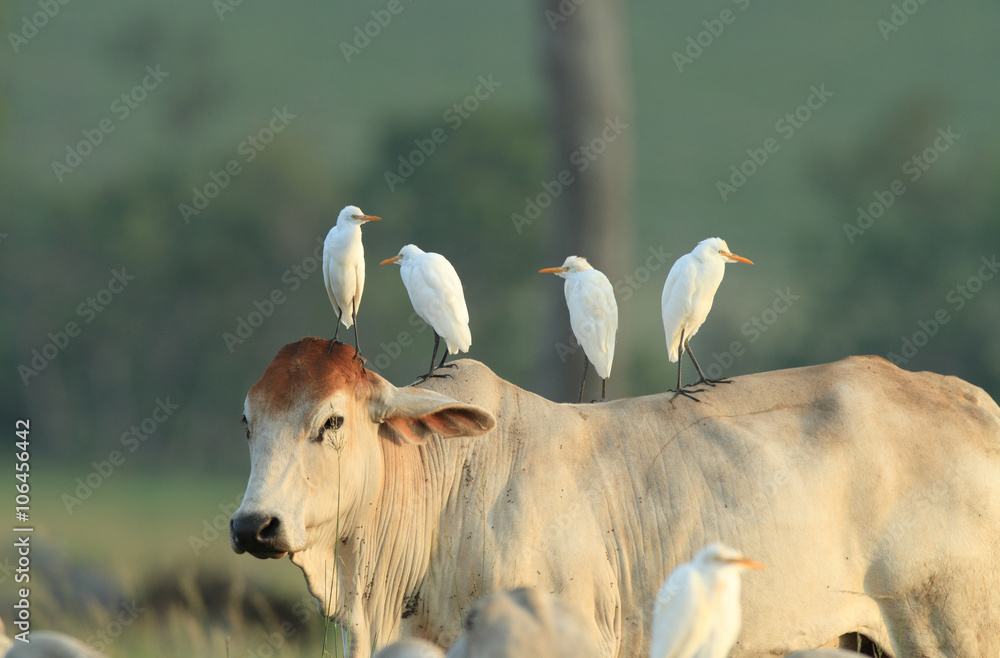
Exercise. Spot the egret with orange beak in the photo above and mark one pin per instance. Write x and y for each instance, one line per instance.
(593, 315)
(697, 612)
(344, 268)
(436, 294)
(687, 299)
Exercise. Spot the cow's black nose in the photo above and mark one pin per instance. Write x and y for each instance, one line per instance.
(255, 533)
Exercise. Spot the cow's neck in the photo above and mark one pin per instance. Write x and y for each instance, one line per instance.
(383, 547)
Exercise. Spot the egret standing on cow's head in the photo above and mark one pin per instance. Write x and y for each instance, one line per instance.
(687, 299)
(436, 294)
(593, 315)
(697, 612)
(344, 268)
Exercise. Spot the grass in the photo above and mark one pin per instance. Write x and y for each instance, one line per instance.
(131, 540)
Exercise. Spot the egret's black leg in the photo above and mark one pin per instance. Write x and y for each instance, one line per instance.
(680, 389)
(604, 390)
(704, 379)
(583, 380)
(339, 315)
(354, 318)
(443, 357)
(430, 373)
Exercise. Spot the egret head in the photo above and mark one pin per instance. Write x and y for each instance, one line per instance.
(353, 215)
(716, 249)
(716, 556)
(571, 264)
(407, 252)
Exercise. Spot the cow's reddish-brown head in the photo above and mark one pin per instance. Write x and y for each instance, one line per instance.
(316, 423)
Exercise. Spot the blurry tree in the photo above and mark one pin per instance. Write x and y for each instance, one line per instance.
(584, 51)
(918, 210)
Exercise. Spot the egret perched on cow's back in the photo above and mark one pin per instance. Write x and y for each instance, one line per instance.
(344, 268)
(593, 315)
(436, 294)
(697, 612)
(687, 299)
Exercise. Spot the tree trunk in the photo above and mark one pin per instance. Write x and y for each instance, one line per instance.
(586, 64)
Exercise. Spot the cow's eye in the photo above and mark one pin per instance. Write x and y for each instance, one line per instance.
(332, 423)
(247, 426)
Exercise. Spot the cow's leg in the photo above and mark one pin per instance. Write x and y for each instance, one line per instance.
(704, 379)
(583, 380)
(680, 389)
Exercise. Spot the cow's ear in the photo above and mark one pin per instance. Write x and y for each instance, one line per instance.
(413, 415)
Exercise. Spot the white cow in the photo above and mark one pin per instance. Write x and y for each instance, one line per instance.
(871, 493)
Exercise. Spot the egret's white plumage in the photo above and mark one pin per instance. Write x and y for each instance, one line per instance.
(593, 311)
(688, 294)
(697, 612)
(344, 264)
(436, 294)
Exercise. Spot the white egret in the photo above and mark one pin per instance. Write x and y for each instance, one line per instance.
(436, 294)
(593, 315)
(344, 268)
(697, 612)
(687, 299)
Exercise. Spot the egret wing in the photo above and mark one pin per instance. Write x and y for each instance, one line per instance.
(436, 293)
(677, 301)
(593, 314)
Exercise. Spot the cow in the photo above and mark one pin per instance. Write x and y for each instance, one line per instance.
(872, 494)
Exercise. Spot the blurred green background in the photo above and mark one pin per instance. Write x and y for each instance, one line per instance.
(224, 73)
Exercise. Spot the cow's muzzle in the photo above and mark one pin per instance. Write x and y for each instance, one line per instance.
(257, 534)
